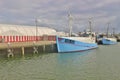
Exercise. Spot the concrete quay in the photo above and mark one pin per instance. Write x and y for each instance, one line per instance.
(22, 48)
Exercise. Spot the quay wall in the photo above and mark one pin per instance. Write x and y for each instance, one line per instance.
(23, 48)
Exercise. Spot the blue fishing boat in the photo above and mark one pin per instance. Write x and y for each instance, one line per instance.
(101, 39)
(109, 41)
(74, 44)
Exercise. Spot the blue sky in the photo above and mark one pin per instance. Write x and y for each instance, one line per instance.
(53, 13)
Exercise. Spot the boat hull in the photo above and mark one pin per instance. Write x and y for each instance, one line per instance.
(69, 45)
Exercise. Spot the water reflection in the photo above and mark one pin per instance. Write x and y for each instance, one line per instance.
(76, 64)
(65, 58)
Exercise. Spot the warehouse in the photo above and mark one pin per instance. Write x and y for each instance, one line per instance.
(20, 33)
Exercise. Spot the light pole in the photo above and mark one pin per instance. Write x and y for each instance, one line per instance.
(36, 29)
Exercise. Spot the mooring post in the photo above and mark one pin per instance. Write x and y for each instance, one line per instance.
(23, 51)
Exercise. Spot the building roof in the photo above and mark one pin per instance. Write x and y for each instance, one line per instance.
(20, 30)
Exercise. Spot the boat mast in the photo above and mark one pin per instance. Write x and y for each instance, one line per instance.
(70, 23)
(108, 29)
(90, 25)
(113, 31)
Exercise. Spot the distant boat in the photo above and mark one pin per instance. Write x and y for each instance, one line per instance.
(101, 39)
(74, 44)
(106, 39)
(109, 41)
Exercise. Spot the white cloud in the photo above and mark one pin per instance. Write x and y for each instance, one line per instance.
(55, 12)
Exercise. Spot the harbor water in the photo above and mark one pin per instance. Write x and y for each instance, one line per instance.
(102, 63)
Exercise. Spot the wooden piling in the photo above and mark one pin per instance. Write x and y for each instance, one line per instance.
(23, 51)
(43, 48)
